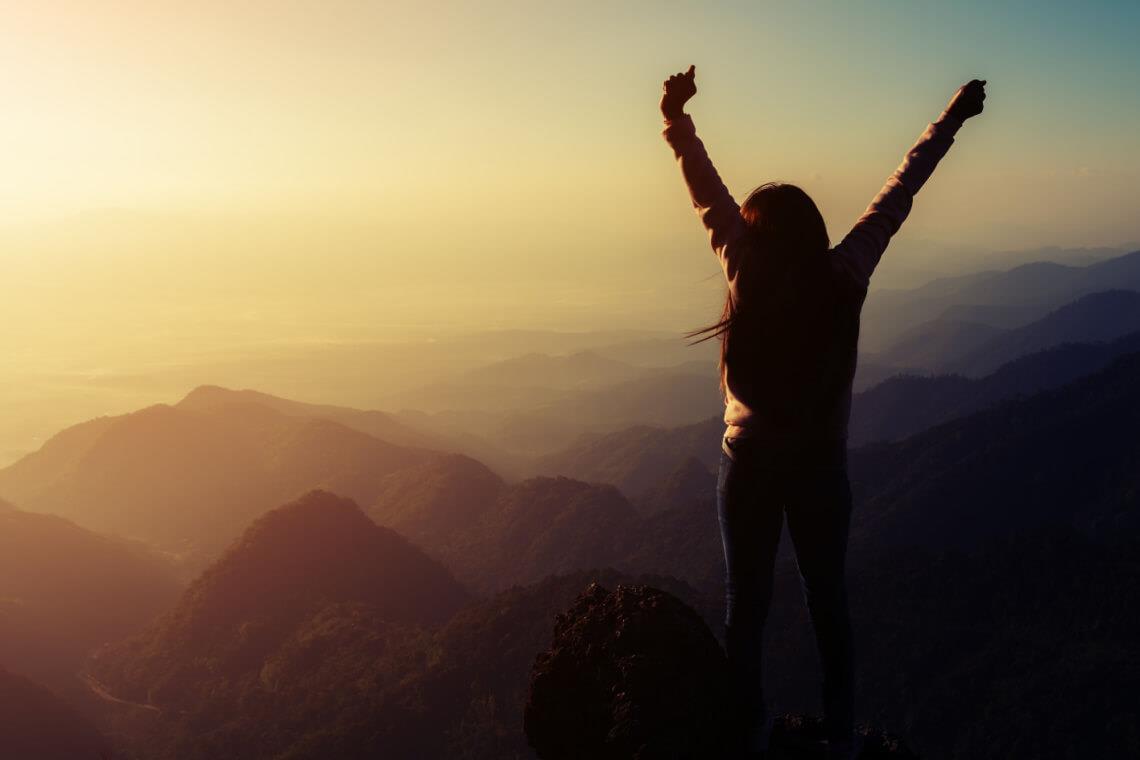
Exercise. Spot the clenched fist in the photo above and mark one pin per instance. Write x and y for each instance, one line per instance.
(968, 100)
(678, 89)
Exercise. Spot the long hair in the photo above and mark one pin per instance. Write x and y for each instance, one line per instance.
(779, 334)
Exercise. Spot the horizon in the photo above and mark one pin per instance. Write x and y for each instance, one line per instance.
(288, 172)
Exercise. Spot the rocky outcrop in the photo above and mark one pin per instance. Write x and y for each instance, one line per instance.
(630, 674)
(635, 674)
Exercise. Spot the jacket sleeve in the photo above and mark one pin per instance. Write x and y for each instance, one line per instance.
(860, 251)
(713, 203)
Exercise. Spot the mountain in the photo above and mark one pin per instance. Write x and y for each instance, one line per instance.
(931, 344)
(948, 345)
(1064, 456)
(34, 723)
(65, 590)
(992, 562)
(405, 428)
(905, 404)
(188, 479)
(1096, 317)
(636, 458)
(289, 565)
(493, 534)
(535, 380)
(210, 398)
(686, 484)
(538, 425)
(999, 298)
(1059, 459)
(663, 398)
(992, 566)
(348, 680)
(438, 502)
(919, 262)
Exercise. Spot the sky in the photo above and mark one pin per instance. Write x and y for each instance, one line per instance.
(180, 178)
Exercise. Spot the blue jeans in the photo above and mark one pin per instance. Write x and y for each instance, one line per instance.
(757, 485)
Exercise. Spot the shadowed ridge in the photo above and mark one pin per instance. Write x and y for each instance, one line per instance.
(689, 482)
(950, 485)
(34, 723)
(65, 590)
(322, 547)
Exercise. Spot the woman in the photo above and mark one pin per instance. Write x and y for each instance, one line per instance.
(789, 333)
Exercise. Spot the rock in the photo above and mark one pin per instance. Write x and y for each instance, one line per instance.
(635, 674)
(630, 674)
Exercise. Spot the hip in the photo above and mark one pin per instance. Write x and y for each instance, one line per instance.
(816, 452)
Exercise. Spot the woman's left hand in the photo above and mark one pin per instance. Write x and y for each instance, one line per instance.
(678, 89)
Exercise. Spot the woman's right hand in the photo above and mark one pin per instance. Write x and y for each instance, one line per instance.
(678, 89)
(968, 100)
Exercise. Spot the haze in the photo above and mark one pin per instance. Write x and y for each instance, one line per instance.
(189, 185)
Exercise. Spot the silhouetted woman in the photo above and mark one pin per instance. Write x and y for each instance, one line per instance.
(789, 333)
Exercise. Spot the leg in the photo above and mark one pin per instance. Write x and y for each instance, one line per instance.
(750, 521)
(819, 515)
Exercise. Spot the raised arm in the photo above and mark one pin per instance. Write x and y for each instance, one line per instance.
(713, 203)
(860, 251)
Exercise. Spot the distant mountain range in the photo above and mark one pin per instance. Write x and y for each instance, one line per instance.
(906, 404)
(189, 478)
(974, 349)
(526, 422)
(397, 611)
(917, 262)
(992, 563)
(220, 457)
(637, 458)
(1000, 298)
(320, 634)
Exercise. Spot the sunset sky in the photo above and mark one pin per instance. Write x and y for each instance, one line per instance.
(179, 177)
